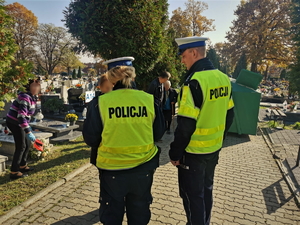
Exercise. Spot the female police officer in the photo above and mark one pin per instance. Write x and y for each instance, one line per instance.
(124, 124)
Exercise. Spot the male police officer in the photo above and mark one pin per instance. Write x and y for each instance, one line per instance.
(123, 124)
(204, 116)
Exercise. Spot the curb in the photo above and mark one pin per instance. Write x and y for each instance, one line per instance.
(282, 168)
(42, 193)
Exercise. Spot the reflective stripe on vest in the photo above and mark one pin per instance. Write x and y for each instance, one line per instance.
(211, 118)
(127, 138)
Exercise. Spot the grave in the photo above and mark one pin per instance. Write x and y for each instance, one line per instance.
(7, 147)
(60, 130)
(3, 159)
(73, 95)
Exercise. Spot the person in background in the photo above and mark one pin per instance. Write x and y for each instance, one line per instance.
(124, 124)
(105, 87)
(17, 121)
(170, 96)
(156, 87)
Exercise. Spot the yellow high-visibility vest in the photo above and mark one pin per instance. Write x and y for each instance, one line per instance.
(127, 138)
(211, 117)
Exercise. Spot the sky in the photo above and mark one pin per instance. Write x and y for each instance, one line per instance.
(221, 11)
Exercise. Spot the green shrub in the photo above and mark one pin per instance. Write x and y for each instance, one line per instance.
(296, 126)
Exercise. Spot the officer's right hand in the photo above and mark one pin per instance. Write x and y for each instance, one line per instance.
(31, 136)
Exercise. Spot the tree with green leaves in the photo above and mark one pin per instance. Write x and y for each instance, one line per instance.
(283, 74)
(294, 74)
(13, 74)
(116, 28)
(74, 76)
(79, 72)
(241, 64)
(213, 57)
(70, 60)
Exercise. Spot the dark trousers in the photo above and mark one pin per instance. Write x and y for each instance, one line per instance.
(168, 118)
(195, 176)
(120, 190)
(22, 145)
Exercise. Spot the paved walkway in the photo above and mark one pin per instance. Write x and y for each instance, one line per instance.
(249, 189)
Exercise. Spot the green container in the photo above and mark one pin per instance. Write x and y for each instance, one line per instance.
(246, 103)
(249, 79)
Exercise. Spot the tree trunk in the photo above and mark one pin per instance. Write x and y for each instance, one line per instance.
(266, 72)
(254, 67)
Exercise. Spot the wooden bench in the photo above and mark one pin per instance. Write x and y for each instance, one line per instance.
(276, 114)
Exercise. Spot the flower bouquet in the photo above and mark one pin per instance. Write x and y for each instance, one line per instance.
(71, 118)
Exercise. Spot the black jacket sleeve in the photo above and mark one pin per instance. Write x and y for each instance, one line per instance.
(92, 126)
(229, 120)
(159, 121)
(152, 87)
(182, 136)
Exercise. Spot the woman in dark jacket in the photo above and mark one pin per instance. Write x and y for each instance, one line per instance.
(17, 121)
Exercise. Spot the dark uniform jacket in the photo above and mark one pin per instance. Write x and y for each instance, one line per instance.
(155, 89)
(93, 127)
(186, 126)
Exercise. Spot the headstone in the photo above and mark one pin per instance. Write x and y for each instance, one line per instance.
(3, 159)
(284, 106)
(64, 94)
(68, 83)
(74, 82)
(55, 84)
(73, 95)
(43, 86)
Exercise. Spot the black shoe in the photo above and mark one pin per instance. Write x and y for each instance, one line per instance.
(24, 170)
(14, 176)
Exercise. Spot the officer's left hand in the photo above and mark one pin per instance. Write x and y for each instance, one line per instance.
(175, 163)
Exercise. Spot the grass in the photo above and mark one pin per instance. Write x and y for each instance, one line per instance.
(63, 160)
(271, 124)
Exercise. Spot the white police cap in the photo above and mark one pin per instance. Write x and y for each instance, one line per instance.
(122, 61)
(190, 42)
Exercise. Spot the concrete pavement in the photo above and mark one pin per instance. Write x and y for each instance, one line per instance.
(249, 189)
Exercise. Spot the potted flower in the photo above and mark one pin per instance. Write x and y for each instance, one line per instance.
(78, 85)
(71, 118)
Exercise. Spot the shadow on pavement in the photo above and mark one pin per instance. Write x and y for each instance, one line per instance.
(235, 139)
(274, 196)
(87, 219)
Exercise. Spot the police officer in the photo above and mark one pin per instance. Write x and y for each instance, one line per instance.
(204, 116)
(124, 124)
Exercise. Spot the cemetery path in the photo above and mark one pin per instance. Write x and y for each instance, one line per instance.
(249, 189)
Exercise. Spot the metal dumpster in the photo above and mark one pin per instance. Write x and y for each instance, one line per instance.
(246, 102)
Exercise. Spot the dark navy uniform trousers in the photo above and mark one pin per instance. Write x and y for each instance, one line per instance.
(195, 176)
(127, 191)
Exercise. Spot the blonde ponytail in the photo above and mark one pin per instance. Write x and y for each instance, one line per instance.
(125, 74)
